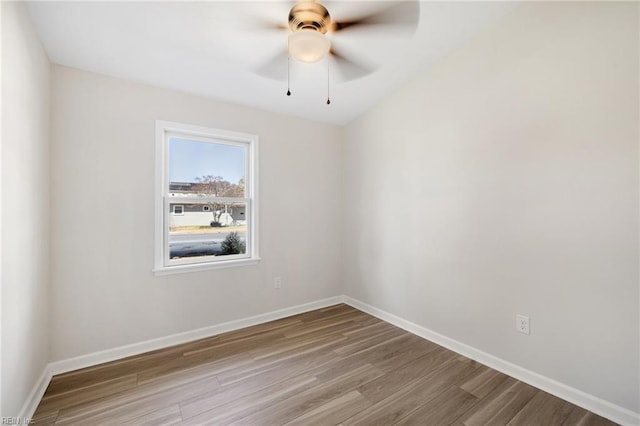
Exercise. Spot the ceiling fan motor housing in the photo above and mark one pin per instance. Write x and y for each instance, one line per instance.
(309, 15)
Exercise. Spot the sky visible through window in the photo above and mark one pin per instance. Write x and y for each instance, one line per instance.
(189, 160)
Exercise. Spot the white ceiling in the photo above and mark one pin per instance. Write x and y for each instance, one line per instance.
(215, 48)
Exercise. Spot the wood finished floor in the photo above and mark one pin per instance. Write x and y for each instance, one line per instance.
(331, 366)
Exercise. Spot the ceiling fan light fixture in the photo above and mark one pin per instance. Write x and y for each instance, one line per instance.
(308, 45)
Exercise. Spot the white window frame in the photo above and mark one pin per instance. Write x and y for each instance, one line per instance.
(163, 264)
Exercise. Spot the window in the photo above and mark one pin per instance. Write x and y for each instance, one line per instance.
(206, 198)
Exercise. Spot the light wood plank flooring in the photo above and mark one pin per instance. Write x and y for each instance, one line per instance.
(331, 366)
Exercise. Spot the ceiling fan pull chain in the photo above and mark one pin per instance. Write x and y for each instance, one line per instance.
(288, 71)
(328, 93)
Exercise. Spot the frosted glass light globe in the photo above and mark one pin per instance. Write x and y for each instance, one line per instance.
(308, 45)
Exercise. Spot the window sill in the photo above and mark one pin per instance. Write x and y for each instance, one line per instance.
(181, 269)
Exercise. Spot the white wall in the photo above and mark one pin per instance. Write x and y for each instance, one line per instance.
(511, 172)
(104, 293)
(25, 208)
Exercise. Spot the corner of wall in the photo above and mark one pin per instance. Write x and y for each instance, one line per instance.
(25, 163)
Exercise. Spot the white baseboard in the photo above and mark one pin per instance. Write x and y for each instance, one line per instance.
(599, 406)
(36, 394)
(95, 358)
(88, 360)
(582, 399)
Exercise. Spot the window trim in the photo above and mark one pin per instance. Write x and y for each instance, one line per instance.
(165, 128)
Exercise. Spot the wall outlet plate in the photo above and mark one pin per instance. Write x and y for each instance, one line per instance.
(522, 324)
(277, 282)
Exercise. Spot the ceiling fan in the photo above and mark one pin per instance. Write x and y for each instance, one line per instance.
(310, 24)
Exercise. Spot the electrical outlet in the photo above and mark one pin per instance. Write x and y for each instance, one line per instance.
(277, 282)
(522, 324)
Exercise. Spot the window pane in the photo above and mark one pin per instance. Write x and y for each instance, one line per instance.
(221, 231)
(206, 168)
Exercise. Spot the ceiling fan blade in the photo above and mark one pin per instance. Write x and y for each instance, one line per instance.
(272, 26)
(262, 24)
(402, 14)
(275, 68)
(269, 19)
(348, 68)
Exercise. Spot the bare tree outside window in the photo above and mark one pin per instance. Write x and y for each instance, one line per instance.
(216, 186)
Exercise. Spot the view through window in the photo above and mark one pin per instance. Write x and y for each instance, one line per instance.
(207, 196)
